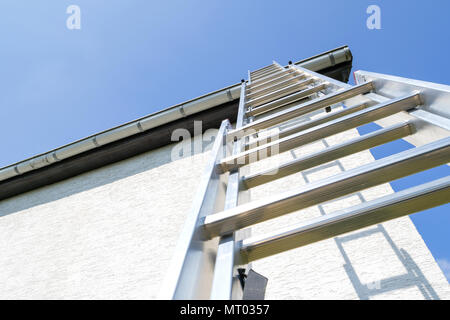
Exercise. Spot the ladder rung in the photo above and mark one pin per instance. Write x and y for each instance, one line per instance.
(324, 130)
(380, 171)
(271, 76)
(259, 86)
(270, 66)
(306, 125)
(338, 151)
(296, 111)
(276, 86)
(389, 207)
(265, 72)
(286, 101)
(280, 93)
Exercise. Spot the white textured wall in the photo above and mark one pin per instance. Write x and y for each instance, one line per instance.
(387, 261)
(111, 233)
(105, 234)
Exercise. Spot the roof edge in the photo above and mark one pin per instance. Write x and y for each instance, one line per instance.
(182, 110)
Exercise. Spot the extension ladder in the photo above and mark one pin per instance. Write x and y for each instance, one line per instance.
(215, 248)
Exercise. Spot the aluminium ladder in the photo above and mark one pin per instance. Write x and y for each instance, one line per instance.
(215, 244)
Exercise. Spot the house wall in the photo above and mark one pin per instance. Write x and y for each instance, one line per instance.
(110, 233)
(105, 234)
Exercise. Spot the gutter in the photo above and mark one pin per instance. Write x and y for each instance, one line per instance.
(176, 112)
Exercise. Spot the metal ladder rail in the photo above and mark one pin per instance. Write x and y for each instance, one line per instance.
(226, 284)
(414, 199)
(229, 221)
(191, 270)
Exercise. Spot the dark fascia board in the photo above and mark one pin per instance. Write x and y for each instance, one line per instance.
(339, 72)
(116, 151)
(135, 145)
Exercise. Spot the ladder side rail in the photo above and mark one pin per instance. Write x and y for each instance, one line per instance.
(432, 119)
(226, 284)
(190, 272)
(416, 111)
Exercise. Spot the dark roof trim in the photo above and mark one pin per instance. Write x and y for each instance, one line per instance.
(113, 145)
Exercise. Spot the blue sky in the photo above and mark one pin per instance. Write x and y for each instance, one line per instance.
(132, 58)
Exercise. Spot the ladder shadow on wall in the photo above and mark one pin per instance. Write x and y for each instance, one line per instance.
(412, 277)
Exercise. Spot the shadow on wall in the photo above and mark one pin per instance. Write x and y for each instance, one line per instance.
(413, 276)
(99, 177)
